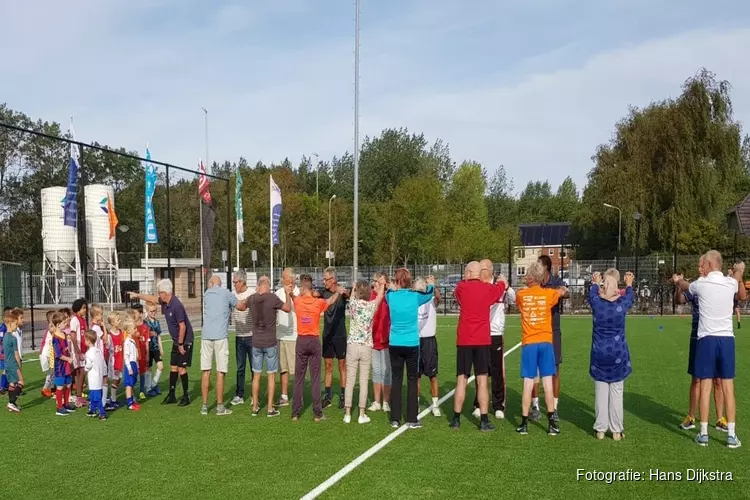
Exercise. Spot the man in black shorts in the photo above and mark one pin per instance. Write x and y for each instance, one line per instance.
(334, 336)
(181, 332)
(550, 281)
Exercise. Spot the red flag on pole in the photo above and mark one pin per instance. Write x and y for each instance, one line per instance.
(204, 185)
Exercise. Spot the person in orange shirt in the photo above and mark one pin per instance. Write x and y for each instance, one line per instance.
(308, 350)
(537, 352)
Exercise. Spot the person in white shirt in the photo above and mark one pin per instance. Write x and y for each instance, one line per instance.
(714, 357)
(286, 334)
(243, 326)
(130, 364)
(428, 348)
(95, 372)
(497, 329)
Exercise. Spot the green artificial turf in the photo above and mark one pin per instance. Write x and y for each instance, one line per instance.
(171, 452)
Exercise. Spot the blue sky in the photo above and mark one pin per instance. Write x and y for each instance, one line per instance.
(533, 85)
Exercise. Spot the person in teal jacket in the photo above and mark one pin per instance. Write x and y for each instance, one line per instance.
(404, 303)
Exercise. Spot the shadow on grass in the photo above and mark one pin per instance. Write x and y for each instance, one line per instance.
(653, 412)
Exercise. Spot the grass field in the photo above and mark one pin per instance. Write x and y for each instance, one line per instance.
(171, 452)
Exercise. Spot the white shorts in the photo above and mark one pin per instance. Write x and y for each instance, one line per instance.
(218, 349)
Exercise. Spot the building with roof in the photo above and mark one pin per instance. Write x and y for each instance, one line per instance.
(545, 238)
(738, 217)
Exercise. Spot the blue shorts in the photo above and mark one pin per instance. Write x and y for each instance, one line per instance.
(691, 355)
(714, 357)
(62, 381)
(270, 355)
(130, 380)
(2, 364)
(538, 358)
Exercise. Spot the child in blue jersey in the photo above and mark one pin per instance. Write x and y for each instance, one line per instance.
(155, 349)
(12, 360)
(3, 377)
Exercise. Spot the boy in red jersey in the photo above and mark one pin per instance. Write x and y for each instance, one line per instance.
(117, 359)
(142, 343)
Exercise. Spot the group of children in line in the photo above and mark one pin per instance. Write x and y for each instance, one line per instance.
(121, 350)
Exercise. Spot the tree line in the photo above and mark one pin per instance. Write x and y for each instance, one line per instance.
(681, 162)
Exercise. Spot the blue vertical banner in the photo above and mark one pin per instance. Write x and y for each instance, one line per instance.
(149, 234)
(275, 211)
(71, 193)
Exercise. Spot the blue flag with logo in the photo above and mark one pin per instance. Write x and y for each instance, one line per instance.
(149, 233)
(70, 208)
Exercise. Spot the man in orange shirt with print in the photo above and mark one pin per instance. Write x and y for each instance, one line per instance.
(308, 350)
(537, 352)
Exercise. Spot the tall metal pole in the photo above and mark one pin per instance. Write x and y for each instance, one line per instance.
(229, 240)
(329, 229)
(317, 208)
(83, 244)
(619, 232)
(169, 236)
(200, 208)
(355, 253)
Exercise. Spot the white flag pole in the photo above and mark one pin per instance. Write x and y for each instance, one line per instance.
(200, 211)
(270, 222)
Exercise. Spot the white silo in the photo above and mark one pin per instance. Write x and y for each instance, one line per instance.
(58, 240)
(101, 249)
(61, 271)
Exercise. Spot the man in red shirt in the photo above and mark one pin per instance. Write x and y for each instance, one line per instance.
(473, 343)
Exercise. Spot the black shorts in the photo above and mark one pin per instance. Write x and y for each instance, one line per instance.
(181, 360)
(476, 356)
(557, 344)
(334, 347)
(428, 357)
(153, 357)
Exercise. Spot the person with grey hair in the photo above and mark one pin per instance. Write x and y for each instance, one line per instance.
(428, 347)
(263, 305)
(218, 303)
(181, 332)
(535, 304)
(334, 336)
(243, 326)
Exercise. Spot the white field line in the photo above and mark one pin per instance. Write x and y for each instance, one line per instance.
(382, 444)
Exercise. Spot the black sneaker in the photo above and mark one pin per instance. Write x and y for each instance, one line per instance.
(256, 412)
(326, 403)
(341, 402)
(91, 414)
(455, 424)
(169, 400)
(522, 429)
(274, 413)
(554, 428)
(486, 427)
(395, 424)
(184, 401)
(415, 425)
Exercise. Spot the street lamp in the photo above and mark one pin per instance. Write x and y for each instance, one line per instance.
(637, 216)
(329, 229)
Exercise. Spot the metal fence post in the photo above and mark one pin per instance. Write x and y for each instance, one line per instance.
(229, 239)
(169, 235)
(31, 305)
(82, 243)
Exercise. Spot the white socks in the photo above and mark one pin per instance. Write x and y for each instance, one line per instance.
(285, 397)
(556, 399)
(730, 425)
(535, 403)
(704, 428)
(147, 380)
(435, 402)
(155, 381)
(114, 393)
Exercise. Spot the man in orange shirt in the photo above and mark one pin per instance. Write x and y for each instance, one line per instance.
(308, 350)
(537, 353)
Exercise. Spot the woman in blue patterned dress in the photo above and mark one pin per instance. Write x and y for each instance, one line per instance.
(610, 357)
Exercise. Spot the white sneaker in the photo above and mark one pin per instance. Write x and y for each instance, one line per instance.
(347, 419)
(237, 401)
(386, 407)
(375, 406)
(364, 419)
(499, 414)
(436, 411)
(476, 413)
